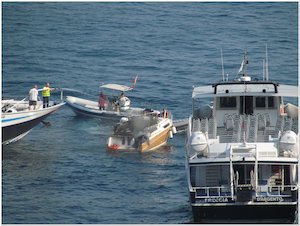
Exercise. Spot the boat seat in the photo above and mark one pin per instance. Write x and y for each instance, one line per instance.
(261, 120)
(251, 133)
(228, 122)
(295, 126)
(288, 123)
(204, 125)
(267, 117)
(196, 125)
(212, 128)
(237, 130)
(279, 125)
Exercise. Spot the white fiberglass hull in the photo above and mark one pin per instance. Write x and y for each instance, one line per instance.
(145, 141)
(83, 107)
(16, 125)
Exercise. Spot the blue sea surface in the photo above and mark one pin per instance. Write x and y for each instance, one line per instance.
(63, 173)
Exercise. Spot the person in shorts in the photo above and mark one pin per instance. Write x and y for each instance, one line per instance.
(33, 96)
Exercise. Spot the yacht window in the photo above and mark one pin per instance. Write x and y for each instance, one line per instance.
(227, 102)
(271, 102)
(260, 102)
(247, 107)
(193, 175)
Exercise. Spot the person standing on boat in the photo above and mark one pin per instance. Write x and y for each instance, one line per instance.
(102, 102)
(33, 96)
(124, 101)
(46, 95)
(165, 113)
(121, 97)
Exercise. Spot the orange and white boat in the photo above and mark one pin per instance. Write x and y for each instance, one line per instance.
(141, 133)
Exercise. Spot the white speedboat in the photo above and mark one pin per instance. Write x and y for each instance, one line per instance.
(141, 133)
(242, 154)
(114, 109)
(17, 120)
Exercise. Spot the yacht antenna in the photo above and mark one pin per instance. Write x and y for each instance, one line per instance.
(244, 114)
(263, 69)
(223, 75)
(243, 70)
(267, 64)
(244, 65)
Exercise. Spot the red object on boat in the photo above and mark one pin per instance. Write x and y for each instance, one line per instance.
(114, 147)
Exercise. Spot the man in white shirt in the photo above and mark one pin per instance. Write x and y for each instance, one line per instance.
(33, 96)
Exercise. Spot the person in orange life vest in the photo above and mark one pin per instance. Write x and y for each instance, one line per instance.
(102, 102)
(46, 94)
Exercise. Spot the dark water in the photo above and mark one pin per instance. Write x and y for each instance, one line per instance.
(62, 173)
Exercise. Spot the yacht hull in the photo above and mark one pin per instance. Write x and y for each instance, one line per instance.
(271, 213)
(11, 132)
(87, 108)
(156, 141)
(16, 125)
(81, 111)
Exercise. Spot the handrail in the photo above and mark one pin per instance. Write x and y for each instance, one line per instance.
(231, 173)
(280, 190)
(208, 192)
(250, 82)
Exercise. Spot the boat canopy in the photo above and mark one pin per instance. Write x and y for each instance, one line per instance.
(250, 89)
(116, 87)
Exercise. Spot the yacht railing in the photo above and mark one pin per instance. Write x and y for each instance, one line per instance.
(209, 192)
(276, 190)
(286, 191)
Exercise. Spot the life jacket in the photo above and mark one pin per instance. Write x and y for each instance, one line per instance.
(46, 91)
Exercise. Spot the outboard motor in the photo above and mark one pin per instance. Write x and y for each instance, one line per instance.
(124, 119)
(288, 144)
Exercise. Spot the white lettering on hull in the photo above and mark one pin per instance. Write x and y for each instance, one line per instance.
(219, 199)
(269, 199)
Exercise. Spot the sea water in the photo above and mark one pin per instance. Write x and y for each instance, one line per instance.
(62, 173)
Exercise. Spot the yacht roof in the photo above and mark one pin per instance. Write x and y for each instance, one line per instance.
(249, 89)
(116, 87)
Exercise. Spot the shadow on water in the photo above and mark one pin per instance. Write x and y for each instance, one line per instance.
(158, 155)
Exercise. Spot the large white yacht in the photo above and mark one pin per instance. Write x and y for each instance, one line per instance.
(242, 151)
